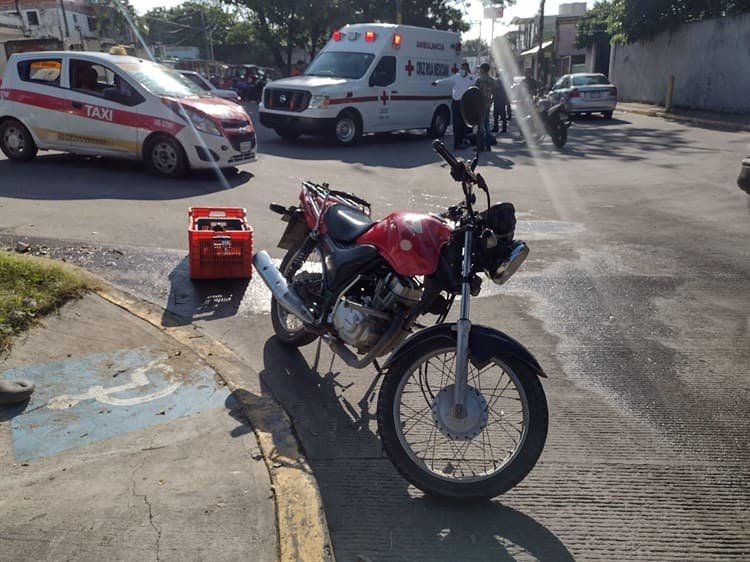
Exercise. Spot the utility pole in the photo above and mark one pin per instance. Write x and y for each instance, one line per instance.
(209, 39)
(398, 12)
(540, 54)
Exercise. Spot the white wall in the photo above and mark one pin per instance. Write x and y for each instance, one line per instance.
(710, 61)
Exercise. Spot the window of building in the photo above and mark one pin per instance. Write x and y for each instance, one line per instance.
(32, 16)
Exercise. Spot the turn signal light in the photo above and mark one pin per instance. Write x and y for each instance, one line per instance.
(574, 93)
(396, 40)
(370, 36)
(336, 35)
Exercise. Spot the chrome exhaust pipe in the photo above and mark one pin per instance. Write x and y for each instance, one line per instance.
(276, 283)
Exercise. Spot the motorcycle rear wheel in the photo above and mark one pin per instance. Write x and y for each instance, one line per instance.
(288, 328)
(476, 458)
(559, 134)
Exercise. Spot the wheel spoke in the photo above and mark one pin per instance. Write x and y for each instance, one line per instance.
(452, 449)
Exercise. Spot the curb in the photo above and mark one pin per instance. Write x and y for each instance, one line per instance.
(686, 118)
(302, 526)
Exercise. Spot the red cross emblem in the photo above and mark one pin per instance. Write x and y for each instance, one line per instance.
(409, 68)
(384, 97)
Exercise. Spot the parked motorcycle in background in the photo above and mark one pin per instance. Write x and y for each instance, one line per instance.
(461, 411)
(540, 117)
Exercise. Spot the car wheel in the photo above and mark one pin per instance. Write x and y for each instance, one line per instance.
(165, 156)
(607, 114)
(348, 128)
(287, 134)
(16, 141)
(440, 121)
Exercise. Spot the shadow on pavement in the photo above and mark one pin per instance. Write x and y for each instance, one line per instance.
(372, 511)
(10, 411)
(191, 300)
(97, 178)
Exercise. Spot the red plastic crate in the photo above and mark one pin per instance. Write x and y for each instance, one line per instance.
(220, 242)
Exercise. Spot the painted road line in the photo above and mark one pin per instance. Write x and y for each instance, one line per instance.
(88, 399)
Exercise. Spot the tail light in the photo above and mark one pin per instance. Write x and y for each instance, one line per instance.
(613, 91)
(574, 93)
(336, 35)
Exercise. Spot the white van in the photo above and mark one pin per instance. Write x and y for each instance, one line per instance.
(368, 78)
(111, 105)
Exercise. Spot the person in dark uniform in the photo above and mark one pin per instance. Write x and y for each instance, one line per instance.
(501, 109)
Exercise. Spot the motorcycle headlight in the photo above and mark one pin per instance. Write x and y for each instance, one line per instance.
(505, 263)
(319, 102)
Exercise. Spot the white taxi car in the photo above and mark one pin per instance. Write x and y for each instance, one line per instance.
(111, 105)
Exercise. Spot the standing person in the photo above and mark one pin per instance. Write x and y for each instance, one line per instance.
(486, 85)
(501, 110)
(461, 81)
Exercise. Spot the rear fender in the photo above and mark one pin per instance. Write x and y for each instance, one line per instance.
(484, 344)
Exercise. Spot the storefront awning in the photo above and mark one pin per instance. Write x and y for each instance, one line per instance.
(535, 50)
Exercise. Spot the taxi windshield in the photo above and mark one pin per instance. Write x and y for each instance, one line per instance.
(340, 65)
(160, 80)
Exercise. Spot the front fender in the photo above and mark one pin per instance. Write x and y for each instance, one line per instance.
(484, 344)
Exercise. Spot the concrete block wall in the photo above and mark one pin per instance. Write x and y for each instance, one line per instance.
(710, 61)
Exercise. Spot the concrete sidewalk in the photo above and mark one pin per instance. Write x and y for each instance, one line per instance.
(713, 119)
(145, 441)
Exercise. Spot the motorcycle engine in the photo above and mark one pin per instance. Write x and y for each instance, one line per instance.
(364, 312)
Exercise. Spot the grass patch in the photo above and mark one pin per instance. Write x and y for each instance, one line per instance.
(32, 287)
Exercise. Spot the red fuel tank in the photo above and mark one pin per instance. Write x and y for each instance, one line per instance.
(410, 242)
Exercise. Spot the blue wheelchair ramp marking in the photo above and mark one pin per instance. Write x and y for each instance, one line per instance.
(83, 400)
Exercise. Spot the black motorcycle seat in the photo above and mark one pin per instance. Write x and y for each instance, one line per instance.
(345, 223)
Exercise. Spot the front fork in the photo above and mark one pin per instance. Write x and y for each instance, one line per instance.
(463, 327)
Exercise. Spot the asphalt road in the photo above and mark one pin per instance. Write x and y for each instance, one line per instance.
(633, 299)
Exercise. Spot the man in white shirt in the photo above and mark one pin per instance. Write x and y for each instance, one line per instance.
(461, 82)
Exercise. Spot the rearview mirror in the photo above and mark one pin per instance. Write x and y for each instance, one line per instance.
(472, 106)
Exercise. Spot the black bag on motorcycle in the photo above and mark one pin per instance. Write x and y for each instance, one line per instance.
(501, 219)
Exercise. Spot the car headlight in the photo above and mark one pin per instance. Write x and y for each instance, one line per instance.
(319, 102)
(203, 123)
(198, 120)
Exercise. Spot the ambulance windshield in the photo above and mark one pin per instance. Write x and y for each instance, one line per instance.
(160, 80)
(340, 65)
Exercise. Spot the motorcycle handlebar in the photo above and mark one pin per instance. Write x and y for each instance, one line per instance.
(460, 171)
(439, 147)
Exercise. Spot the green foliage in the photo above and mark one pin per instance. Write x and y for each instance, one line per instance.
(594, 27)
(472, 47)
(190, 22)
(113, 20)
(283, 25)
(31, 287)
(636, 20)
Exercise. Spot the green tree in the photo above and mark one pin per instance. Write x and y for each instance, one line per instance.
(113, 20)
(198, 24)
(472, 47)
(594, 27)
(283, 25)
(636, 20)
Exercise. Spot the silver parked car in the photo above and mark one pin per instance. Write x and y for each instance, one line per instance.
(585, 93)
(205, 84)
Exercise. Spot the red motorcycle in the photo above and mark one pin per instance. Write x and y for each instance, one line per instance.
(461, 411)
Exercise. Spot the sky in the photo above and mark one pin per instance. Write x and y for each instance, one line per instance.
(522, 8)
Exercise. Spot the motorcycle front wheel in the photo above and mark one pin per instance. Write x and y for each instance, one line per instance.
(308, 277)
(478, 456)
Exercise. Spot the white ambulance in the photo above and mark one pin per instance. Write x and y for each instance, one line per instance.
(111, 105)
(368, 78)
